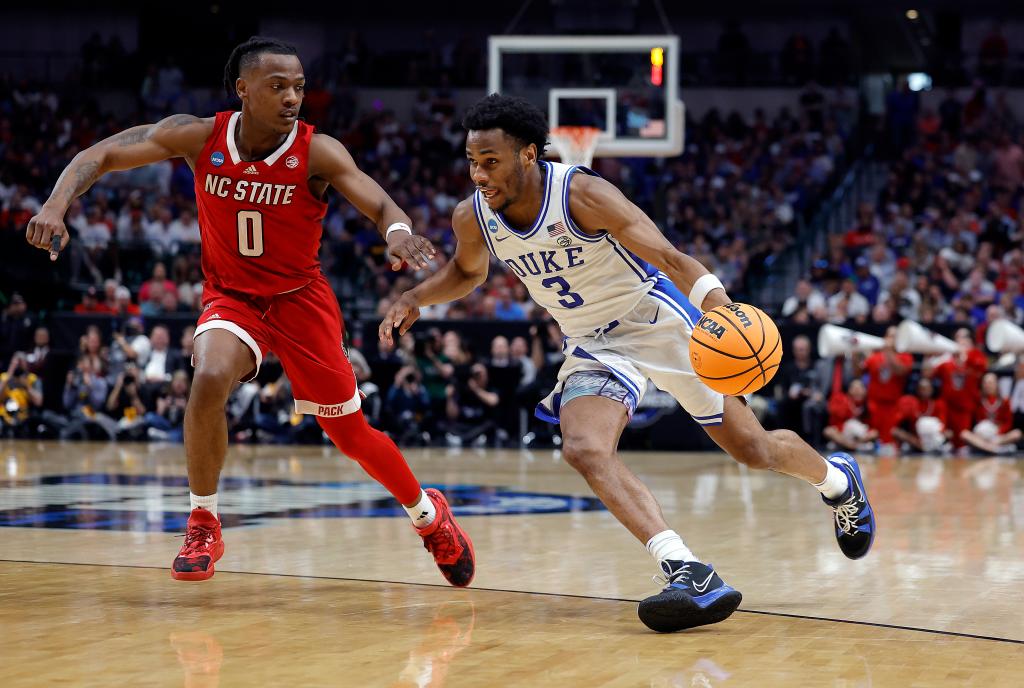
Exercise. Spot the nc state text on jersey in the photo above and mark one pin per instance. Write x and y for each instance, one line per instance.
(248, 190)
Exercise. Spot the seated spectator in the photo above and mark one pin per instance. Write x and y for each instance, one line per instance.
(158, 233)
(90, 303)
(798, 389)
(123, 306)
(124, 403)
(848, 304)
(186, 347)
(993, 430)
(470, 408)
(849, 424)
(38, 356)
(805, 296)
(85, 400)
(408, 406)
(921, 420)
(168, 421)
(15, 327)
(21, 397)
(184, 231)
(520, 352)
(959, 376)
(130, 346)
(887, 380)
(159, 278)
(159, 365)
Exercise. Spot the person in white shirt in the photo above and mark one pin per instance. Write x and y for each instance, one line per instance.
(158, 234)
(95, 233)
(848, 304)
(184, 231)
(804, 295)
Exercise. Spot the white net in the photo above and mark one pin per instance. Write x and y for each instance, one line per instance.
(575, 145)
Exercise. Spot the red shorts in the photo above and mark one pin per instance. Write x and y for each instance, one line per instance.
(303, 328)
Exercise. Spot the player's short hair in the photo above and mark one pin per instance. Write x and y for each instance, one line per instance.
(245, 54)
(517, 117)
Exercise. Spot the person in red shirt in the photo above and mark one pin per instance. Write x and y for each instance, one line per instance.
(993, 420)
(90, 303)
(911, 409)
(960, 377)
(887, 380)
(159, 278)
(261, 177)
(849, 419)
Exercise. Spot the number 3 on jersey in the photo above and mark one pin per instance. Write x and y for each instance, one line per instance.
(250, 233)
(572, 299)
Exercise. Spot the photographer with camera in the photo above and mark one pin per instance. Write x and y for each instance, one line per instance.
(471, 408)
(124, 403)
(21, 395)
(408, 407)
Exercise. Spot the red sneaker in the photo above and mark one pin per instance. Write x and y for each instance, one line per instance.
(448, 543)
(202, 547)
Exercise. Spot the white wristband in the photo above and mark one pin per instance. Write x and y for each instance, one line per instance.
(397, 227)
(702, 287)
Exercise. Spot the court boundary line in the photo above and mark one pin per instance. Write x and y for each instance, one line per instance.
(760, 612)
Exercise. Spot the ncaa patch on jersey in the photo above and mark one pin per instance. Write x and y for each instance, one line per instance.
(216, 158)
(492, 226)
(291, 162)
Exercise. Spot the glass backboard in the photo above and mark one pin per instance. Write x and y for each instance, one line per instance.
(626, 86)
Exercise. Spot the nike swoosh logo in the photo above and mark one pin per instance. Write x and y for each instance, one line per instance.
(701, 587)
(502, 238)
(655, 318)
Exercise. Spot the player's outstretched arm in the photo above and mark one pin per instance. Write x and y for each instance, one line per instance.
(177, 135)
(329, 160)
(597, 204)
(462, 274)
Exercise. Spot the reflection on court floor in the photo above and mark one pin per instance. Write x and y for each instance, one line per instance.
(333, 588)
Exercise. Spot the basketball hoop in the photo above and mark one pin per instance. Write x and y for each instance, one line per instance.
(575, 145)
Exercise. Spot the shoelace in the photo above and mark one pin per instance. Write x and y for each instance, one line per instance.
(197, 538)
(846, 517)
(663, 581)
(442, 542)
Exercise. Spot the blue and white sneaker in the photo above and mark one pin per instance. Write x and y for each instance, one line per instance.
(694, 595)
(854, 518)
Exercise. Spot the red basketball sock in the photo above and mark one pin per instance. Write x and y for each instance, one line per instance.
(375, 452)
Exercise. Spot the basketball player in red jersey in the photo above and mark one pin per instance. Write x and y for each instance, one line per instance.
(961, 382)
(887, 378)
(260, 176)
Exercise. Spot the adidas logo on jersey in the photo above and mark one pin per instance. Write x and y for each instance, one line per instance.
(251, 169)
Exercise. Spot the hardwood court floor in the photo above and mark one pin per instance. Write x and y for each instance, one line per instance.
(320, 586)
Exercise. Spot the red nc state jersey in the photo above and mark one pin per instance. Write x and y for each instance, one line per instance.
(259, 222)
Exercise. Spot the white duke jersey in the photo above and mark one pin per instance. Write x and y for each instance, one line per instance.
(584, 280)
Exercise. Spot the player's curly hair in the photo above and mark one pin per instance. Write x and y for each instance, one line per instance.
(517, 117)
(247, 53)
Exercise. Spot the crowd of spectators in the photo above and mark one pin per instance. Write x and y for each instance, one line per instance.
(940, 245)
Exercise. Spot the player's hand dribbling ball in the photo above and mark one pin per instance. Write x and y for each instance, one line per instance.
(735, 349)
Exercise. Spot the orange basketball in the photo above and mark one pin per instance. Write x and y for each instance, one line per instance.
(735, 349)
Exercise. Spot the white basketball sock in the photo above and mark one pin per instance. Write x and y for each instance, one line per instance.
(835, 482)
(208, 502)
(668, 545)
(422, 512)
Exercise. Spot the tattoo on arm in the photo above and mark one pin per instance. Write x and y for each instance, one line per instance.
(85, 175)
(133, 136)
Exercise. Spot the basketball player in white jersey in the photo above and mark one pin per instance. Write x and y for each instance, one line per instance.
(626, 301)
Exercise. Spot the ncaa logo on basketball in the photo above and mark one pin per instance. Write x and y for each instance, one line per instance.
(711, 327)
(291, 162)
(492, 226)
(216, 158)
(564, 241)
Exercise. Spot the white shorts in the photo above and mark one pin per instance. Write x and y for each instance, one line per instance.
(651, 342)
